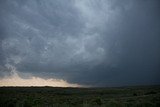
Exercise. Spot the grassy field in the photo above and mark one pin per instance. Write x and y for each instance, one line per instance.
(140, 96)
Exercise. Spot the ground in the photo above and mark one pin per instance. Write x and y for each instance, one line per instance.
(137, 96)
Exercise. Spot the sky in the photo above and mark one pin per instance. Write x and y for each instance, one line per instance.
(78, 43)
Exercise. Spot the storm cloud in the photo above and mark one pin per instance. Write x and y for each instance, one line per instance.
(86, 42)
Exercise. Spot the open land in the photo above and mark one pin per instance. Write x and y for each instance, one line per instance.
(137, 96)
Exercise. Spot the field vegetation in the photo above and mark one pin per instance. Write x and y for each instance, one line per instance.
(140, 96)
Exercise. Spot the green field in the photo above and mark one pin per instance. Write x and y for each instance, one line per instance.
(139, 96)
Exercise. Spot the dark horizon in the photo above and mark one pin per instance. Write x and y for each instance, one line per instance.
(91, 87)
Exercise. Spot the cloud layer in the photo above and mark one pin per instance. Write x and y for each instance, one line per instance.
(88, 42)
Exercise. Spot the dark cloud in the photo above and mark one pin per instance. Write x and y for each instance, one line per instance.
(99, 43)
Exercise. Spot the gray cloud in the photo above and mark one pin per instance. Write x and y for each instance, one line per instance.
(99, 43)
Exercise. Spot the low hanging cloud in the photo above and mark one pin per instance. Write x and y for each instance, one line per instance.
(15, 80)
(85, 42)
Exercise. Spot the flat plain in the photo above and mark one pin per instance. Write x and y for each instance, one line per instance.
(135, 96)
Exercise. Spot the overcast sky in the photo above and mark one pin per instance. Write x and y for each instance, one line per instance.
(84, 42)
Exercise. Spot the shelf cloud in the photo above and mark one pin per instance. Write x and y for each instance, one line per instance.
(80, 43)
